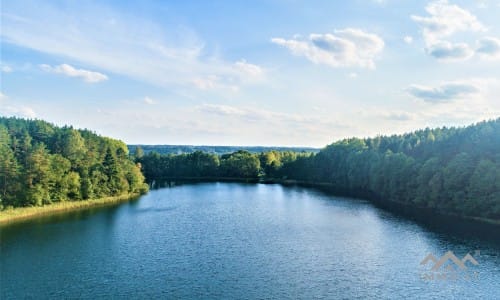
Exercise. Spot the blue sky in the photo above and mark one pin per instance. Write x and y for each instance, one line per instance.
(277, 72)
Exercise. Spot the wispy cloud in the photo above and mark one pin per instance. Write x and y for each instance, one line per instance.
(266, 117)
(399, 116)
(6, 69)
(344, 48)
(70, 71)
(9, 109)
(149, 100)
(408, 39)
(100, 37)
(248, 70)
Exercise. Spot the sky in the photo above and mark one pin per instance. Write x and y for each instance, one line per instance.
(275, 72)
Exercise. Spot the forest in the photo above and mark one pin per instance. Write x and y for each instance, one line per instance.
(182, 149)
(42, 164)
(449, 170)
(241, 164)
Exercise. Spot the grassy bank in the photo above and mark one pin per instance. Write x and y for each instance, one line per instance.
(13, 215)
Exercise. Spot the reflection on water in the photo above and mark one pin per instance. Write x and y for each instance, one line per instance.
(223, 240)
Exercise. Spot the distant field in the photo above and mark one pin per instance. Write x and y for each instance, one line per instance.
(179, 149)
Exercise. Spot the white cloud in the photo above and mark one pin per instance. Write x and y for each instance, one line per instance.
(6, 69)
(353, 75)
(447, 51)
(109, 40)
(15, 110)
(482, 4)
(247, 69)
(65, 69)
(489, 47)
(345, 48)
(445, 20)
(408, 39)
(447, 91)
(264, 116)
(219, 109)
(206, 83)
(214, 82)
(148, 100)
(376, 113)
(399, 116)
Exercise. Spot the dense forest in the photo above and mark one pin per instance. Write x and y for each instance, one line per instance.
(42, 164)
(241, 164)
(184, 149)
(450, 170)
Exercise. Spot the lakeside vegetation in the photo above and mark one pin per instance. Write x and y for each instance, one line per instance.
(42, 164)
(239, 164)
(448, 170)
(13, 215)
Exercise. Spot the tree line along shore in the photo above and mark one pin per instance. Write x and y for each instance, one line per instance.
(59, 168)
(454, 171)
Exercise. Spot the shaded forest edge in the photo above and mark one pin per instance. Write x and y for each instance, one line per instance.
(446, 171)
(45, 165)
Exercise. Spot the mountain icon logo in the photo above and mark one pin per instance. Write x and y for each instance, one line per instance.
(449, 256)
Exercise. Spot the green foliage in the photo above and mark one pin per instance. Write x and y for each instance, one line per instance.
(219, 150)
(451, 170)
(42, 164)
(240, 164)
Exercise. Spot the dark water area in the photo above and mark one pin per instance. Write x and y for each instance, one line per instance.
(245, 241)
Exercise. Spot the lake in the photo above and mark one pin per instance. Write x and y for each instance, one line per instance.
(241, 241)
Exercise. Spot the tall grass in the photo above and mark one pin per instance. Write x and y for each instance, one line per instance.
(12, 215)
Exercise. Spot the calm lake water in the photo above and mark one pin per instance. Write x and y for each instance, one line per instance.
(240, 241)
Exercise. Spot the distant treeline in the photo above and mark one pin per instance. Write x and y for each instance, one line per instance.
(42, 164)
(181, 149)
(240, 164)
(450, 170)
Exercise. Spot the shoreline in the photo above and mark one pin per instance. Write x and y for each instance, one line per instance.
(406, 208)
(387, 204)
(20, 214)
